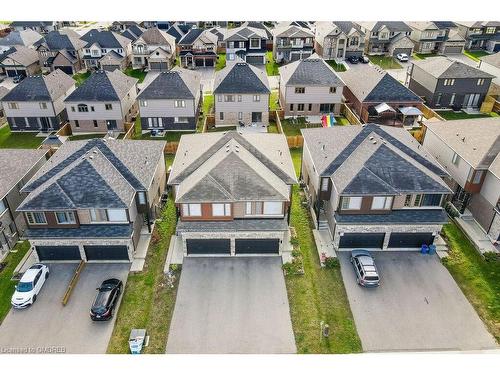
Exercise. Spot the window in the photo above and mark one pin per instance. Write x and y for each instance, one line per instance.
(300, 107)
(229, 98)
(65, 218)
(310, 107)
(13, 106)
(143, 103)
(300, 90)
(273, 208)
(77, 123)
(3, 207)
(98, 215)
(408, 200)
(490, 30)
(96, 125)
(438, 100)
(455, 159)
(449, 82)
(239, 98)
(219, 98)
(326, 107)
(240, 115)
(141, 196)
(354, 41)
(182, 120)
(256, 98)
(191, 209)
(221, 115)
(381, 203)
(324, 184)
(83, 108)
(117, 215)
(333, 90)
(480, 81)
(221, 209)
(43, 105)
(108, 106)
(255, 43)
(72, 109)
(431, 200)
(418, 199)
(477, 177)
(351, 203)
(452, 99)
(180, 104)
(291, 106)
(92, 109)
(36, 218)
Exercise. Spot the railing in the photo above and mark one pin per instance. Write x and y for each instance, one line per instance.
(72, 283)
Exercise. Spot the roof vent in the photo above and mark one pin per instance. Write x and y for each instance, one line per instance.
(374, 142)
(323, 147)
(371, 138)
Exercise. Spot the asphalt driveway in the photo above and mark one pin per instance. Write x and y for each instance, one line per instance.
(231, 305)
(47, 324)
(418, 306)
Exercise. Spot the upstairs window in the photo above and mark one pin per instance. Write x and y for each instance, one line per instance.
(43, 105)
(273, 208)
(256, 98)
(381, 203)
(83, 108)
(229, 98)
(324, 184)
(477, 177)
(36, 218)
(143, 103)
(13, 105)
(65, 217)
(300, 90)
(191, 209)
(108, 106)
(351, 203)
(333, 90)
(179, 104)
(431, 200)
(449, 82)
(480, 81)
(221, 209)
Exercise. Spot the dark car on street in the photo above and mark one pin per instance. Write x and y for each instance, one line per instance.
(353, 59)
(106, 299)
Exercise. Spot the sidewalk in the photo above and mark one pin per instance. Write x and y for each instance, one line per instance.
(476, 234)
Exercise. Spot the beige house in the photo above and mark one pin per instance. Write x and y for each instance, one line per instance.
(20, 60)
(153, 50)
(338, 40)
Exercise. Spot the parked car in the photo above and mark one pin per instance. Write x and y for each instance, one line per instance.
(365, 268)
(106, 299)
(29, 286)
(352, 59)
(18, 78)
(403, 57)
(364, 59)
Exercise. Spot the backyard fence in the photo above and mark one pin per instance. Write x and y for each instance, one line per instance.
(129, 130)
(429, 113)
(277, 119)
(295, 141)
(488, 104)
(171, 147)
(349, 115)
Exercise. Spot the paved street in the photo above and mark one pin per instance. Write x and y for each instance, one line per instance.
(418, 306)
(231, 305)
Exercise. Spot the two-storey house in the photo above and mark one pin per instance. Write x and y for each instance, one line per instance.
(435, 37)
(19, 60)
(338, 40)
(469, 151)
(133, 32)
(103, 103)
(61, 50)
(387, 38)
(171, 101)
(37, 103)
(241, 95)
(292, 43)
(91, 200)
(233, 193)
(481, 35)
(154, 50)
(447, 83)
(102, 44)
(17, 166)
(25, 38)
(373, 187)
(310, 87)
(246, 43)
(198, 48)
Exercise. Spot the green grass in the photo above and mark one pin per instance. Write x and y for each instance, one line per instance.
(208, 104)
(147, 301)
(169, 136)
(271, 65)
(475, 55)
(80, 137)
(341, 120)
(294, 129)
(385, 62)
(136, 73)
(423, 56)
(221, 61)
(273, 100)
(336, 67)
(6, 284)
(272, 128)
(478, 279)
(10, 139)
(451, 115)
(319, 294)
(81, 77)
(221, 129)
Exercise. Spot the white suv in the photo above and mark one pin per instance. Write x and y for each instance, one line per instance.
(403, 57)
(29, 286)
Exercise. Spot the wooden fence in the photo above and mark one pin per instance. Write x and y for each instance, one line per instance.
(171, 148)
(129, 130)
(349, 115)
(295, 141)
(277, 120)
(488, 104)
(65, 130)
(429, 113)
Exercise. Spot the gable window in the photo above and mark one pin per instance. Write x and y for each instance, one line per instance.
(300, 90)
(351, 203)
(273, 208)
(229, 98)
(455, 159)
(256, 98)
(381, 203)
(36, 218)
(13, 106)
(143, 103)
(180, 104)
(65, 217)
(480, 81)
(191, 209)
(221, 209)
(43, 105)
(83, 108)
(333, 90)
(108, 106)
(408, 200)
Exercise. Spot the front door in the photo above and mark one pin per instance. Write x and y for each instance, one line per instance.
(111, 124)
(256, 116)
(44, 124)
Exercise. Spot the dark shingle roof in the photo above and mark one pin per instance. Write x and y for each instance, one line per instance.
(191, 36)
(241, 78)
(406, 216)
(257, 225)
(312, 72)
(396, 26)
(84, 231)
(444, 24)
(389, 89)
(106, 39)
(133, 32)
(173, 84)
(56, 40)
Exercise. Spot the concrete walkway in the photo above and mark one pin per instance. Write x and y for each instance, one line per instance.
(141, 250)
(476, 234)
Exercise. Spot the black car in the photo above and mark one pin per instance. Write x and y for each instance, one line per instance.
(353, 59)
(106, 299)
(363, 59)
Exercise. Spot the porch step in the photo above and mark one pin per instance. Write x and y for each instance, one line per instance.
(323, 225)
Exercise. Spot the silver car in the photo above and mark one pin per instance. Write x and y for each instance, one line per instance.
(365, 268)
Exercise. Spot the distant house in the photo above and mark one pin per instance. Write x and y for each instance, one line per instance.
(37, 103)
(246, 43)
(19, 60)
(267, 30)
(447, 83)
(42, 27)
(292, 43)
(387, 37)
(310, 87)
(198, 48)
(481, 35)
(241, 95)
(171, 101)
(121, 26)
(104, 102)
(436, 37)
(154, 50)
(220, 33)
(100, 44)
(338, 40)
(61, 50)
(375, 96)
(25, 38)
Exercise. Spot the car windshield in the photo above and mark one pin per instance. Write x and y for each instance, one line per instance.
(24, 287)
(371, 278)
(101, 299)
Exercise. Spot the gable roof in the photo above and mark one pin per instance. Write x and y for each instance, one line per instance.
(133, 32)
(292, 31)
(103, 86)
(444, 67)
(58, 40)
(245, 33)
(111, 58)
(105, 39)
(21, 38)
(177, 83)
(157, 37)
(41, 87)
(241, 78)
(445, 24)
(22, 55)
(259, 25)
(312, 71)
(178, 30)
(194, 34)
(395, 26)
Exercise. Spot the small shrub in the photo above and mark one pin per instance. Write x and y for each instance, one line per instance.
(296, 253)
(293, 268)
(331, 262)
(294, 241)
(490, 256)
(451, 210)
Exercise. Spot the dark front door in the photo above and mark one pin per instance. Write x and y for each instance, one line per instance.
(106, 252)
(362, 240)
(111, 124)
(48, 253)
(257, 246)
(256, 116)
(410, 240)
(44, 124)
(208, 247)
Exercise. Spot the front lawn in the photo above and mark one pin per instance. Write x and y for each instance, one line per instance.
(336, 67)
(221, 61)
(452, 115)
(10, 139)
(271, 65)
(478, 278)
(6, 284)
(319, 294)
(475, 55)
(385, 62)
(423, 56)
(81, 77)
(136, 73)
(148, 302)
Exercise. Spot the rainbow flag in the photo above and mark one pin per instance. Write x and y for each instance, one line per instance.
(327, 121)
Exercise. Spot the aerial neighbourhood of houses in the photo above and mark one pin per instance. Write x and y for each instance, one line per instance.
(246, 157)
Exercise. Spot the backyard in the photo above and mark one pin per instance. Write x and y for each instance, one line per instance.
(221, 61)
(9, 139)
(271, 65)
(82, 137)
(81, 77)
(169, 136)
(291, 128)
(136, 73)
(478, 278)
(461, 115)
(385, 62)
(274, 100)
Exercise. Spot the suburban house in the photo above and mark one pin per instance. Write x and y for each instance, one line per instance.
(122, 26)
(17, 166)
(42, 27)
(61, 50)
(338, 40)
(108, 46)
(310, 87)
(233, 193)
(171, 101)
(197, 48)
(469, 151)
(373, 187)
(25, 38)
(19, 60)
(93, 198)
(292, 43)
(481, 35)
(247, 43)
(154, 50)
(241, 95)
(133, 32)
(37, 103)
(375, 96)
(387, 38)
(220, 33)
(177, 30)
(447, 83)
(267, 30)
(103, 103)
(436, 37)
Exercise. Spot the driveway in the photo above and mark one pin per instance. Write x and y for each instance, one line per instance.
(48, 324)
(207, 78)
(231, 305)
(418, 306)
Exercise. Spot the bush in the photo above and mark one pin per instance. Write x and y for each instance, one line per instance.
(294, 241)
(331, 262)
(293, 268)
(296, 253)
(451, 210)
(490, 256)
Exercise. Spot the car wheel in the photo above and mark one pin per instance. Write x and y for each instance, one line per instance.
(33, 299)
(46, 276)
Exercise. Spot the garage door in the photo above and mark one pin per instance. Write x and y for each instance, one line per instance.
(257, 60)
(158, 66)
(410, 240)
(362, 240)
(198, 62)
(209, 62)
(47, 253)
(13, 73)
(208, 247)
(402, 50)
(106, 252)
(65, 69)
(257, 246)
